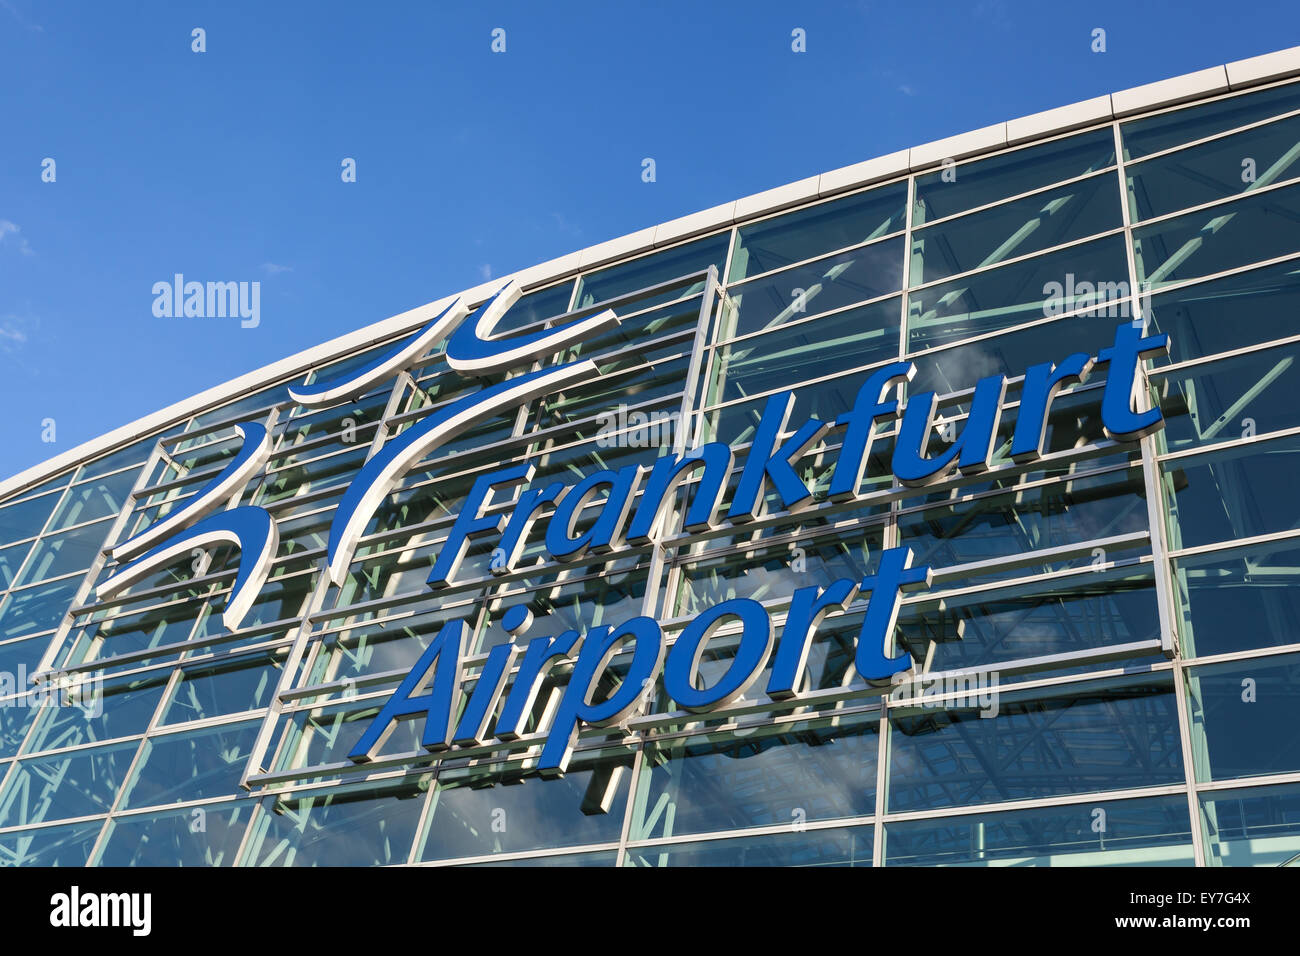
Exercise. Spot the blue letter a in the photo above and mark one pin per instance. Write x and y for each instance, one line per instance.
(437, 706)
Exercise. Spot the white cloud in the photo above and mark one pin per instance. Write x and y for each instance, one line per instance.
(11, 334)
(17, 15)
(485, 271)
(274, 269)
(8, 229)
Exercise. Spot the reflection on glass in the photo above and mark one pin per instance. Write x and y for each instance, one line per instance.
(1112, 737)
(766, 776)
(847, 846)
(1243, 717)
(483, 810)
(1252, 827)
(1240, 598)
(1150, 832)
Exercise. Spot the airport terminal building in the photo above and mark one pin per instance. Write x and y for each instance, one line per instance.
(930, 511)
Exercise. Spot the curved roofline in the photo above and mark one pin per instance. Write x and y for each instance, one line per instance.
(1151, 97)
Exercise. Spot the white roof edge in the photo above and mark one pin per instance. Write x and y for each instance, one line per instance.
(1229, 77)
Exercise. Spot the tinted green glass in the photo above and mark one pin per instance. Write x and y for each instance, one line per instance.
(1060, 616)
(842, 279)
(830, 344)
(472, 817)
(1239, 599)
(73, 784)
(651, 270)
(535, 306)
(65, 553)
(817, 230)
(769, 776)
(67, 845)
(1237, 397)
(37, 608)
(1243, 716)
(1052, 284)
(978, 182)
(1166, 130)
(1252, 827)
(232, 687)
(1150, 832)
(26, 518)
(834, 847)
(94, 499)
(192, 765)
(349, 828)
(1112, 737)
(119, 708)
(1029, 519)
(1236, 493)
(1215, 170)
(11, 559)
(1229, 313)
(1237, 233)
(1017, 228)
(194, 836)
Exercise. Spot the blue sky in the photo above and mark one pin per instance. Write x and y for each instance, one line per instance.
(225, 165)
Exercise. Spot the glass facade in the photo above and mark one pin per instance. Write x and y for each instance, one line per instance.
(1107, 661)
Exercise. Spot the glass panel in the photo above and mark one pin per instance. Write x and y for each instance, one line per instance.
(535, 306)
(599, 858)
(193, 765)
(1258, 227)
(1243, 717)
(845, 278)
(228, 688)
(1239, 599)
(1107, 738)
(194, 836)
(1072, 615)
(1017, 228)
(496, 809)
(816, 230)
(11, 559)
(850, 846)
(1237, 397)
(789, 356)
(1236, 493)
(94, 499)
(67, 845)
(16, 717)
(1146, 136)
(37, 608)
(777, 570)
(1229, 313)
(352, 828)
(135, 454)
(123, 708)
(25, 519)
(1028, 519)
(1252, 827)
(1215, 170)
(1151, 832)
(761, 776)
(66, 552)
(653, 269)
(70, 784)
(976, 183)
(1052, 284)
